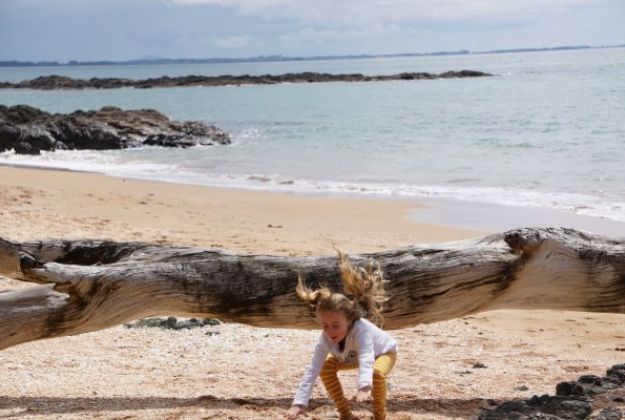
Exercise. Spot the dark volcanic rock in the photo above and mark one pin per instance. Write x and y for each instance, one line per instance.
(190, 132)
(63, 82)
(611, 413)
(29, 130)
(544, 407)
(574, 400)
(172, 323)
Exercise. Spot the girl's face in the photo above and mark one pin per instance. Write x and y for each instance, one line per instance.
(335, 325)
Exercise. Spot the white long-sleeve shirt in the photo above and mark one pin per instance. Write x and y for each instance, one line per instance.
(363, 343)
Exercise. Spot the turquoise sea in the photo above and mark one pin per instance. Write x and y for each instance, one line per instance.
(544, 137)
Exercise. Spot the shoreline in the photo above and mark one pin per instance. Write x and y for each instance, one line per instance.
(66, 204)
(449, 213)
(500, 218)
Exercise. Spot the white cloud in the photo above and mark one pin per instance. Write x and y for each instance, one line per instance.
(310, 35)
(233, 41)
(347, 12)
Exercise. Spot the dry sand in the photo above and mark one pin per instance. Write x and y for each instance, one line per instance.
(235, 371)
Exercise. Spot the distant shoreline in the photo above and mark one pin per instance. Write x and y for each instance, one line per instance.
(63, 82)
(280, 58)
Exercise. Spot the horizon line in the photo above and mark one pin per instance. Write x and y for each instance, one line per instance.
(280, 57)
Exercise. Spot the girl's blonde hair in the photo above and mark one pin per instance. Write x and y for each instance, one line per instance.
(364, 285)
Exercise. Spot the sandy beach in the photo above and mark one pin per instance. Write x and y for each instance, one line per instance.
(239, 372)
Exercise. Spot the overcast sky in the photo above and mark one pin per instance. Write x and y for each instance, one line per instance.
(84, 30)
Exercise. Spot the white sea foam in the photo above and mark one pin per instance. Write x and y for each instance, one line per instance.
(581, 204)
(109, 163)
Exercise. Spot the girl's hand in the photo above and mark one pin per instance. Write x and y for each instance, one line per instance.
(364, 394)
(295, 411)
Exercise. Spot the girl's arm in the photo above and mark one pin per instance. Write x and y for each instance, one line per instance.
(366, 359)
(302, 396)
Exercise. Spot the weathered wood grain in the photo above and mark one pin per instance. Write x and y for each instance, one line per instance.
(89, 285)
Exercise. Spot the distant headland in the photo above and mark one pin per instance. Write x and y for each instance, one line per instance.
(278, 57)
(63, 82)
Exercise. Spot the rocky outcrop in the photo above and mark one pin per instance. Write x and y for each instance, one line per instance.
(172, 323)
(63, 82)
(29, 130)
(590, 397)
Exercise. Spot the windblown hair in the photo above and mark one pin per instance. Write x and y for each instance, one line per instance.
(364, 286)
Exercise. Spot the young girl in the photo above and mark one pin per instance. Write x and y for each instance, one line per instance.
(351, 341)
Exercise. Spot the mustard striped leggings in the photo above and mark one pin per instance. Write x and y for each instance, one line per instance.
(329, 376)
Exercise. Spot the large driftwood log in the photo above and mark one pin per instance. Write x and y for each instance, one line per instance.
(90, 285)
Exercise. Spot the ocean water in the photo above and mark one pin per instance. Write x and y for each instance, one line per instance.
(546, 132)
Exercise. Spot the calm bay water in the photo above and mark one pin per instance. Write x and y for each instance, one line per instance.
(548, 131)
